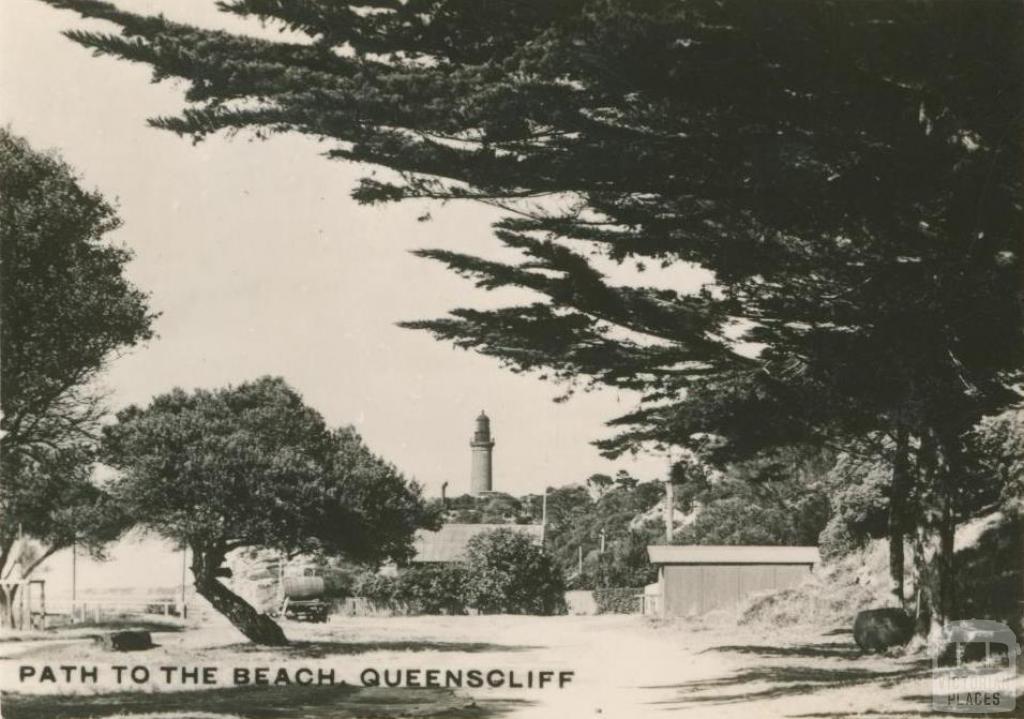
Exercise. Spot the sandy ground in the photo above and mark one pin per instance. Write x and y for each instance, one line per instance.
(623, 666)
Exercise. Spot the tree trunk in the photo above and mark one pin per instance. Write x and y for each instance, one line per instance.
(947, 557)
(928, 609)
(941, 571)
(954, 479)
(258, 628)
(898, 491)
(940, 524)
(922, 608)
(8, 615)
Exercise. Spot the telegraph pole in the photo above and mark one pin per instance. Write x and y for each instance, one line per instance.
(543, 516)
(670, 501)
(74, 577)
(184, 565)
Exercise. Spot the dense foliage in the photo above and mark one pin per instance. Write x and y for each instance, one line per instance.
(66, 305)
(418, 589)
(783, 498)
(616, 517)
(66, 308)
(491, 508)
(996, 447)
(252, 465)
(506, 573)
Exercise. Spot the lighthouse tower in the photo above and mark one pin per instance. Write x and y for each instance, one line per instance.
(482, 445)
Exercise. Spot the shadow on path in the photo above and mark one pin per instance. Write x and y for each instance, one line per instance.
(838, 650)
(926, 711)
(307, 702)
(317, 650)
(838, 631)
(89, 630)
(775, 679)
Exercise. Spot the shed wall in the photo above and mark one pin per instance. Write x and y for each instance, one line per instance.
(689, 589)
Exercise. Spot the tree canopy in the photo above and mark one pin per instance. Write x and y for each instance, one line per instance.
(66, 304)
(506, 573)
(253, 466)
(66, 309)
(848, 171)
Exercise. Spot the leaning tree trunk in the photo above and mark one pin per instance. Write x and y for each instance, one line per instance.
(899, 489)
(258, 628)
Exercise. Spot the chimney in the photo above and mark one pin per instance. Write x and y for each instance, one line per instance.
(444, 495)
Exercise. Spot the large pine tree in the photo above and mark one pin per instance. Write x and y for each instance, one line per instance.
(850, 172)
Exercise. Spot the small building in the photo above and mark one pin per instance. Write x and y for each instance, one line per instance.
(695, 579)
(449, 543)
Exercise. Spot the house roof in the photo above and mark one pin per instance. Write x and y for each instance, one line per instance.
(449, 543)
(721, 554)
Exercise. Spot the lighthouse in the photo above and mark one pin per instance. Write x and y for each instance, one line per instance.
(482, 445)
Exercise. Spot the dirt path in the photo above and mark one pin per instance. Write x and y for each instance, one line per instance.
(621, 667)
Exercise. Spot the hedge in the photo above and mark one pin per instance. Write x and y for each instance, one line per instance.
(618, 600)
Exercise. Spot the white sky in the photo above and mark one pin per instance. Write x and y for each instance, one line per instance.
(261, 264)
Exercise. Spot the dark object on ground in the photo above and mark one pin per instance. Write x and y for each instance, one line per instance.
(127, 641)
(308, 610)
(876, 630)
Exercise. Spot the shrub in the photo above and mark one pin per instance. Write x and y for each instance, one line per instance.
(508, 574)
(433, 589)
(860, 507)
(838, 540)
(377, 588)
(422, 589)
(617, 600)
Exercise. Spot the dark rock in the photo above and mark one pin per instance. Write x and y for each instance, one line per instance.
(126, 641)
(876, 630)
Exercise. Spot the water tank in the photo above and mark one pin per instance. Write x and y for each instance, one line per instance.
(304, 587)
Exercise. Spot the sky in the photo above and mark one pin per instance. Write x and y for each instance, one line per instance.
(260, 263)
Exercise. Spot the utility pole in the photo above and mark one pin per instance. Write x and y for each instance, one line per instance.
(579, 551)
(543, 516)
(74, 577)
(602, 541)
(184, 564)
(670, 501)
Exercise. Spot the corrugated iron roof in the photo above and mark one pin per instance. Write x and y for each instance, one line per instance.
(449, 543)
(723, 554)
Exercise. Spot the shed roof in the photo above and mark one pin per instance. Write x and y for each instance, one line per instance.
(449, 543)
(722, 554)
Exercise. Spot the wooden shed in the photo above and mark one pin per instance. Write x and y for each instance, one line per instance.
(694, 579)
